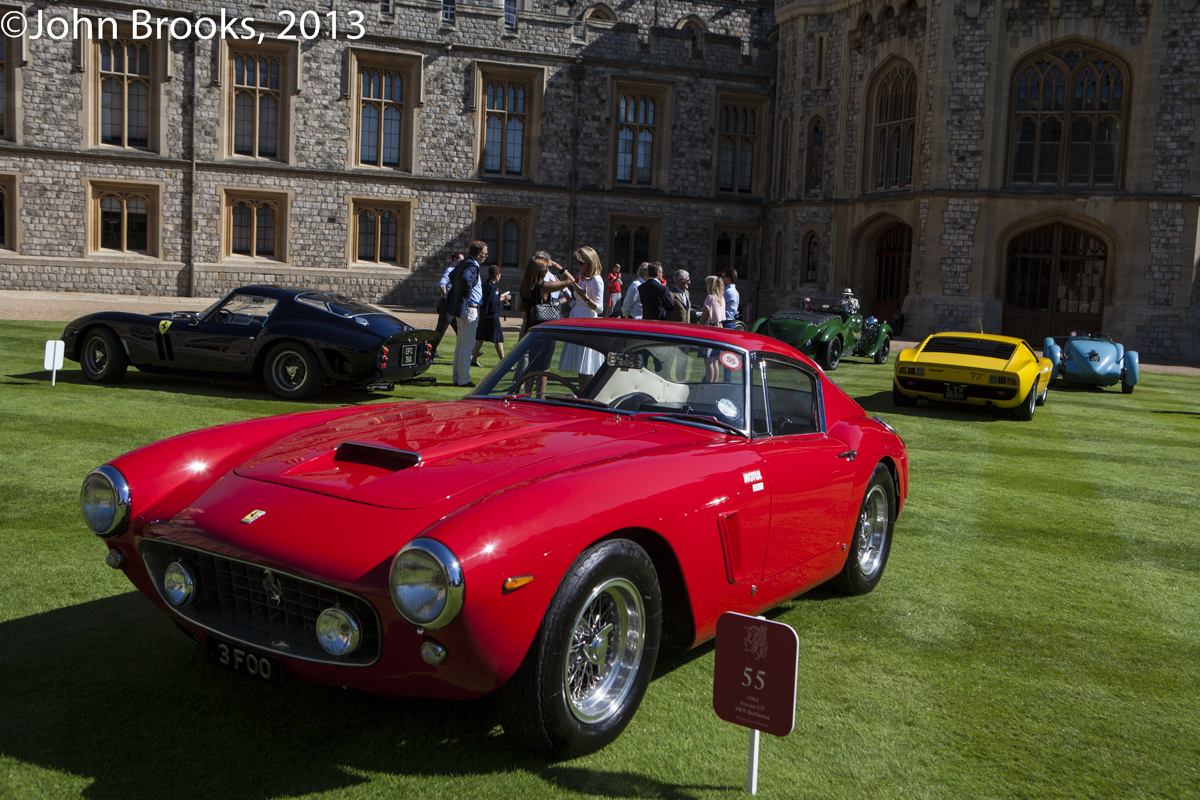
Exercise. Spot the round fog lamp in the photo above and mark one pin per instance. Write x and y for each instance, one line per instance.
(338, 631)
(178, 583)
(432, 653)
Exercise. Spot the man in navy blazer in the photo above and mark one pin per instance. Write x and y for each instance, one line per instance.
(462, 302)
(656, 300)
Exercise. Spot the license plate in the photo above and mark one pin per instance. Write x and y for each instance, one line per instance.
(956, 391)
(408, 355)
(255, 665)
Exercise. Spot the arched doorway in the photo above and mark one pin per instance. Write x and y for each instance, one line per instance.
(893, 259)
(1054, 283)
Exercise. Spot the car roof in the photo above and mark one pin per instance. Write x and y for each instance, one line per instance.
(277, 292)
(991, 337)
(743, 339)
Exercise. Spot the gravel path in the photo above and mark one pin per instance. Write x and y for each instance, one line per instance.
(66, 306)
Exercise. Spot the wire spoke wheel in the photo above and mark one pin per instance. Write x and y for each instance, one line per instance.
(97, 355)
(102, 356)
(873, 527)
(872, 540)
(606, 647)
(290, 370)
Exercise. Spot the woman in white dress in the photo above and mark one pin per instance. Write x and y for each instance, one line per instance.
(713, 314)
(589, 299)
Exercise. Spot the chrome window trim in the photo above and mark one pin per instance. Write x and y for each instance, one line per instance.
(747, 356)
(818, 393)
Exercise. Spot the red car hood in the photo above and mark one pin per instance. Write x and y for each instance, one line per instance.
(460, 445)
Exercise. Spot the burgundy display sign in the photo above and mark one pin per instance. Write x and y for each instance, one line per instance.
(754, 677)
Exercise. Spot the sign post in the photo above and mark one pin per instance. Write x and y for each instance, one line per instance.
(754, 679)
(55, 348)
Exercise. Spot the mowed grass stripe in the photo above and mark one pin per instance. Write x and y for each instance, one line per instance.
(1035, 635)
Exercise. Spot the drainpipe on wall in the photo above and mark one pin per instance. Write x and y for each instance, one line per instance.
(191, 222)
(576, 79)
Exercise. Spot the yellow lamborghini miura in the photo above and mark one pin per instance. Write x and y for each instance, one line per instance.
(975, 368)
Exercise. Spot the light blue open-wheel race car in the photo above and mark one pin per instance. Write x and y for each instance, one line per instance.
(1091, 360)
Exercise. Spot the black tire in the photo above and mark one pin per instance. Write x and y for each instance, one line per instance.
(1025, 411)
(102, 356)
(291, 371)
(573, 695)
(738, 325)
(901, 400)
(872, 540)
(1041, 398)
(881, 355)
(831, 354)
(1126, 388)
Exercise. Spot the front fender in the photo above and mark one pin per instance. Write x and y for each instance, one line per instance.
(1130, 372)
(540, 527)
(164, 477)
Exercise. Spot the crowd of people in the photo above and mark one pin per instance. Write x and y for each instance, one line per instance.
(472, 306)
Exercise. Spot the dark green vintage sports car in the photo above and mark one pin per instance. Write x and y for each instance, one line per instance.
(825, 329)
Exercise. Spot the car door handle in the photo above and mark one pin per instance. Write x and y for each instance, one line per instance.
(850, 454)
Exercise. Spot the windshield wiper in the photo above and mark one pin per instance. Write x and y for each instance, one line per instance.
(556, 398)
(699, 419)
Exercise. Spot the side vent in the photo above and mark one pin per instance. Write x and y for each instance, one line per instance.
(377, 455)
(731, 545)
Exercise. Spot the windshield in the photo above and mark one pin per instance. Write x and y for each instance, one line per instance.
(684, 379)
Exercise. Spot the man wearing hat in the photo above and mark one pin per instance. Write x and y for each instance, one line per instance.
(849, 302)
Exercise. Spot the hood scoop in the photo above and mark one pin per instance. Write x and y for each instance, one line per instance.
(409, 457)
(376, 455)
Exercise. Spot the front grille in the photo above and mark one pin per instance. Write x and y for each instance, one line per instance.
(961, 345)
(276, 613)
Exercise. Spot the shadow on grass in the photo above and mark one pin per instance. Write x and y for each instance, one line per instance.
(205, 387)
(111, 693)
(881, 403)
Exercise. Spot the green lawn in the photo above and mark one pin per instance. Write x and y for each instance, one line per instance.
(1037, 633)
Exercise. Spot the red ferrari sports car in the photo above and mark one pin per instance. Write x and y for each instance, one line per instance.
(611, 487)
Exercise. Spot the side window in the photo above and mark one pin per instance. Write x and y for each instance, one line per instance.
(783, 400)
(245, 310)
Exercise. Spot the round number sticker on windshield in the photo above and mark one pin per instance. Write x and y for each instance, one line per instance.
(727, 407)
(731, 360)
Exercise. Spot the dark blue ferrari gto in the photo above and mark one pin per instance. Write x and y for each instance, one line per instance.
(294, 341)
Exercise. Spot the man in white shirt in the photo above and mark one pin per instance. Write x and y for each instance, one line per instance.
(632, 307)
(732, 299)
(444, 319)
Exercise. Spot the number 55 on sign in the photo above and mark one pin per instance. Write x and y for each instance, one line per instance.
(754, 674)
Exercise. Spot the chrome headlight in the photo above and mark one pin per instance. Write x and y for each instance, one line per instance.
(426, 583)
(179, 584)
(104, 501)
(338, 631)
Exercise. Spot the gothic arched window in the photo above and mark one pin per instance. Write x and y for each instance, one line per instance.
(893, 129)
(815, 171)
(1068, 111)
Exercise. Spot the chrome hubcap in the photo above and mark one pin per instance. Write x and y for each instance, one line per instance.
(99, 355)
(872, 531)
(290, 368)
(606, 647)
